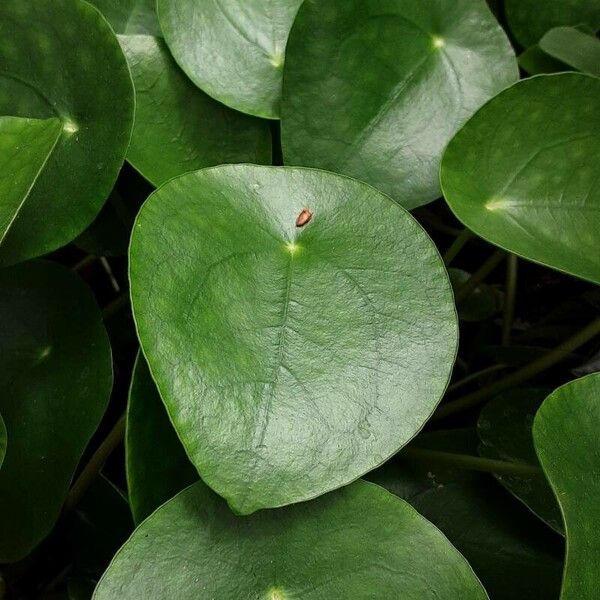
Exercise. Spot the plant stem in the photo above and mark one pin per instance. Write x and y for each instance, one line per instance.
(474, 376)
(486, 268)
(527, 372)
(429, 218)
(457, 245)
(109, 272)
(95, 464)
(512, 266)
(84, 262)
(472, 463)
(115, 306)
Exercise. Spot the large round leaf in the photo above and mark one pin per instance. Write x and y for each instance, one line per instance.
(529, 20)
(157, 466)
(376, 89)
(130, 17)
(522, 173)
(360, 542)
(61, 59)
(504, 427)
(25, 145)
(291, 359)
(177, 127)
(56, 377)
(234, 50)
(565, 433)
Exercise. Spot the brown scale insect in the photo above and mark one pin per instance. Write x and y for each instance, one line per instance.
(303, 218)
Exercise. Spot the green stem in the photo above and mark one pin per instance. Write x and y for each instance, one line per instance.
(512, 266)
(473, 376)
(109, 272)
(527, 372)
(115, 306)
(457, 245)
(84, 262)
(95, 464)
(472, 463)
(429, 218)
(486, 268)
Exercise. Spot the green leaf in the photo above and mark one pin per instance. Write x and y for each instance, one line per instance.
(565, 433)
(291, 359)
(157, 466)
(376, 89)
(504, 427)
(529, 22)
(3, 440)
(56, 377)
(512, 553)
(25, 146)
(525, 180)
(484, 302)
(232, 50)
(574, 48)
(177, 127)
(535, 61)
(359, 542)
(61, 60)
(130, 17)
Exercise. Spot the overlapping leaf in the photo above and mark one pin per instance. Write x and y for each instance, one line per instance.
(529, 23)
(291, 359)
(56, 377)
(178, 128)
(61, 62)
(504, 428)
(359, 542)
(234, 50)
(575, 48)
(522, 173)
(565, 433)
(376, 89)
(157, 466)
(511, 552)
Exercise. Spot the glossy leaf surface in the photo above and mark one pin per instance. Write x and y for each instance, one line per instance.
(25, 146)
(43, 77)
(130, 17)
(178, 128)
(359, 542)
(291, 359)
(574, 48)
(565, 434)
(377, 89)
(157, 466)
(56, 377)
(504, 427)
(529, 23)
(234, 50)
(522, 173)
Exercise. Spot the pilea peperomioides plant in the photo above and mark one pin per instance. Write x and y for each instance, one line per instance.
(236, 317)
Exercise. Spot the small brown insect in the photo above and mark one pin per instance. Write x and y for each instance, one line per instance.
(303, 218)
